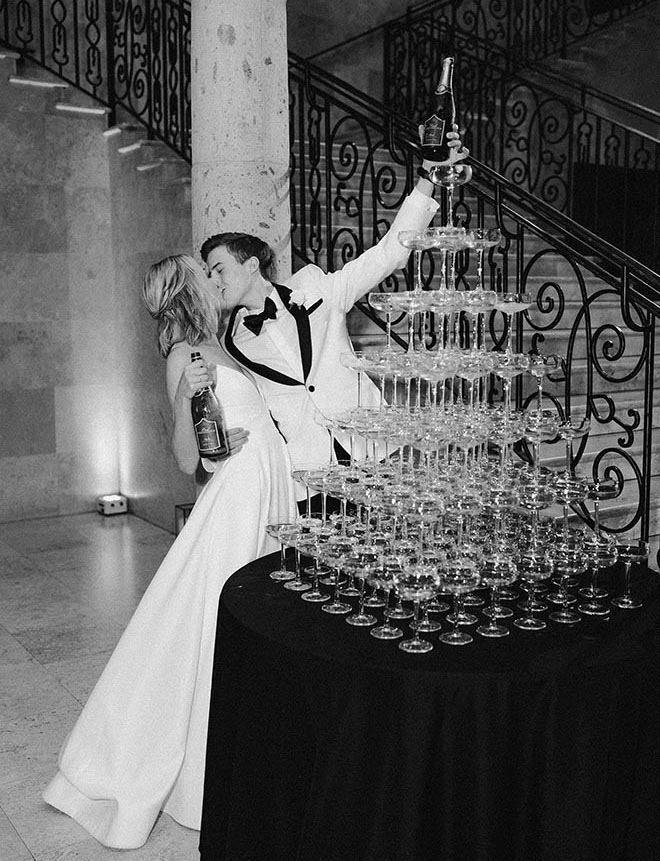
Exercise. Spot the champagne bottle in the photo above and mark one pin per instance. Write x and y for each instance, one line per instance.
(434, 139)
(208, 422)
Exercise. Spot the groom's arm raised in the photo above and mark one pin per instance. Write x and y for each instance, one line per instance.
(357, 277)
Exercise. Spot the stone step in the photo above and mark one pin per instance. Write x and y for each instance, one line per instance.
(567, 64)
(156, 164)
(556, 341)
(180, 180)
(595, 51)
(143, 144)
(38, 83)
(122, 128)
(77, 110)
(554, 455)
(9, 61)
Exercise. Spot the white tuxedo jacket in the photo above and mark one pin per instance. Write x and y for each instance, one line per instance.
(295, 359)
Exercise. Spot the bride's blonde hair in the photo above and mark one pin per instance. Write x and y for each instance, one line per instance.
(175, 295)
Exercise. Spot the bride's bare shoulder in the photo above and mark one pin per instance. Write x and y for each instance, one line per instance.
(178, 356)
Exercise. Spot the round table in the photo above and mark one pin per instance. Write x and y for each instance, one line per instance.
(326, 744)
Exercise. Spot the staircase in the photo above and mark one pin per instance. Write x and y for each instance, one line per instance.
(608, 343)
(527, 115)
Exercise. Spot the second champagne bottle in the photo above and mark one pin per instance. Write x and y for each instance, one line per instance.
(209, 422)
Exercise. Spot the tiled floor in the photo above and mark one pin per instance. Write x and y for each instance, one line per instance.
(68, 585)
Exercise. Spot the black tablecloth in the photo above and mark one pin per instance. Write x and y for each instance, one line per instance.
(326, 744)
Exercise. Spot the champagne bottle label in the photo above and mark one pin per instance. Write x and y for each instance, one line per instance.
(434, 131)
(208, 436)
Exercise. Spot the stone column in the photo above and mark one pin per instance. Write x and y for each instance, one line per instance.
(240, 121)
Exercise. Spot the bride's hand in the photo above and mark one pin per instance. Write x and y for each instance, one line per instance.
(194, 377)
(236, 437)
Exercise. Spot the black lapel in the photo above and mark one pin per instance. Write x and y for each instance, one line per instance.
(316, 304)
(255, 367)
(301, 316)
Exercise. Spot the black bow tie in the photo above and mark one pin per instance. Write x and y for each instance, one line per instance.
(254, 322)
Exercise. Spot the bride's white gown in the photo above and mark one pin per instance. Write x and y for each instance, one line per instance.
(138, 746)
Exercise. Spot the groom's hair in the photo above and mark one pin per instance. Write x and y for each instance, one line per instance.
(242, 246)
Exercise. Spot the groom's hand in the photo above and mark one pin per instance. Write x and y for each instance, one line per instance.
(457, 152)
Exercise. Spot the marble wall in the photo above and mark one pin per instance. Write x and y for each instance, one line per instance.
(151, 218)
(82, 404)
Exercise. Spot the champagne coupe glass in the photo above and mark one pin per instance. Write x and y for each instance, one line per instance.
(540, 367)
(416, 583)
(540, 426)
(358, 361)
(449, 176)
(299, 474)
(302, 542)
(576, 424)
(350, 567)
(534, 566)
(478, 304)
(510, 304)
(496, 570)
(481, 238)
(404, 553)
(472, 368)
(307, 544)
(410, 303)
(570, 558)
(599, 489)
(433, 555)
(502, 492)
(311, 476)
(282, 532)
(381, 577)
(601, 553)
(383, 302)
(570, 488)
(366, 559)
(333, 552)
(426, 625)
(314, 477)
(633, 551)
(415, 240)
(458, 577)
(509, 366)
(449, 240)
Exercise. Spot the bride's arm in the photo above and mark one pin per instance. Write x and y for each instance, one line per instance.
(184, 378)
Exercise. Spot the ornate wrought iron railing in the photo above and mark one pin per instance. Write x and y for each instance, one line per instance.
(524, 30)
(578, 149)
(352, 164)
(133, 56)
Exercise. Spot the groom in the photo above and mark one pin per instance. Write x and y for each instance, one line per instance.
(292, 346)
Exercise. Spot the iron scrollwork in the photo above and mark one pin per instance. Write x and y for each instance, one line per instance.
(130, 54)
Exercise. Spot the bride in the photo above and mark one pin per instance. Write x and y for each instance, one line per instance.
(138, 746)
